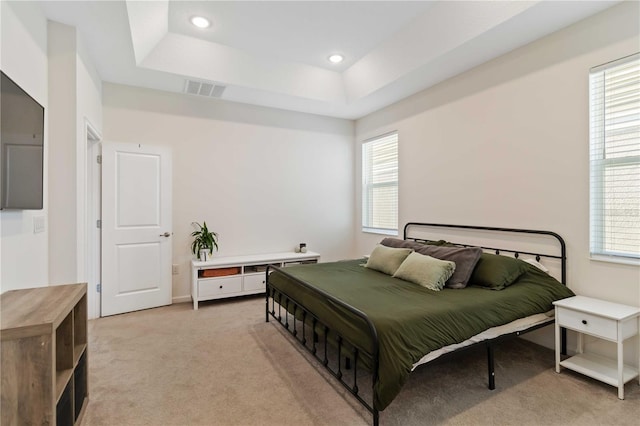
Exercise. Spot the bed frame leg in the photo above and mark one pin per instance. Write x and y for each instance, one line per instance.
(376, 417)
(266, 313)
(492, 374)
(347, 363)
(563, 337)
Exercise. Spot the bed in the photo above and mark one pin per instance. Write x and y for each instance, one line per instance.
(353, 318)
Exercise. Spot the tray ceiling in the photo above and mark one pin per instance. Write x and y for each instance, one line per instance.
(275, 53)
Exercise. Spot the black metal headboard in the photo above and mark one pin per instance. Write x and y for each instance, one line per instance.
(563, 249)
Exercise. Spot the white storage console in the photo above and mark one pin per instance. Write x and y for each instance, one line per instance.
(606, 320)
(238, 275)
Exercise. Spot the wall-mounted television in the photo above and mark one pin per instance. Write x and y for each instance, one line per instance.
(21, 148)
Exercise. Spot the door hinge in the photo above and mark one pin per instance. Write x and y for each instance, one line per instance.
(98, 223)
(99, 159)
(99, 288)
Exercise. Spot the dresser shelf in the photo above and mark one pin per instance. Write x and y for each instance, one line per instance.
(599, 368)
(44, 355)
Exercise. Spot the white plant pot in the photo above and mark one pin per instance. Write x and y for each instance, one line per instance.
(205, 255)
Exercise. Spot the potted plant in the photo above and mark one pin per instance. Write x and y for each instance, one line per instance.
(204, 241)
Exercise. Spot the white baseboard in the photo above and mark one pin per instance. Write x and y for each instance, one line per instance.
(181, 299)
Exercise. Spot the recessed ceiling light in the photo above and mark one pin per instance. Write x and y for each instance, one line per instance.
(336, 59)
(200, 22)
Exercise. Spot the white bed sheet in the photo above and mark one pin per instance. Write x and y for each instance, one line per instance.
(512, 327)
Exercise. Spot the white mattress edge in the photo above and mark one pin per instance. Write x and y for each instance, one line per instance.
(491, 333)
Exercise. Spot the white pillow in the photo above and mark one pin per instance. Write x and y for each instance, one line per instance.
(537, 264)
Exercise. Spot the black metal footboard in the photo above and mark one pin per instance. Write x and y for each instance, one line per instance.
(316, 336)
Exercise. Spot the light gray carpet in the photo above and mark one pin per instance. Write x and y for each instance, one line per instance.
(223, 365)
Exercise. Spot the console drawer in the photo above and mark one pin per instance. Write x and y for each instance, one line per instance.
(254, 282)
(219, 286)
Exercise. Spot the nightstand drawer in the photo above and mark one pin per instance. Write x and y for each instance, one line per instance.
(594, 325)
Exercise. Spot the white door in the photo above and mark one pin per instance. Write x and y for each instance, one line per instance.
(136, 227)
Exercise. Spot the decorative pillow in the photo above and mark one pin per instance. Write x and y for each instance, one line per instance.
(387, 259)
(397, 242)
(437, 243)
(497, 272)
(426, 271)
(536, 264)
(465, 258)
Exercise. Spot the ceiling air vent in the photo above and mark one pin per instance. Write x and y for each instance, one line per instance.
(203, 88)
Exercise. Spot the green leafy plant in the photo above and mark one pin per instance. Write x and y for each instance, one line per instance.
(204, 239)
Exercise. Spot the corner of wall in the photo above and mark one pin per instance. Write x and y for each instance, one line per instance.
(23, 39)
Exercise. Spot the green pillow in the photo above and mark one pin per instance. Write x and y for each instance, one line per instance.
(387, 259)
(426, 271)
(497, 272)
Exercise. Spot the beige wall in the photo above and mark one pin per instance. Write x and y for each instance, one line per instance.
(75, 99)
(264, 179)
(61, 48)
(48, 61)
(507, 144)
(88, 112)
(23, 36)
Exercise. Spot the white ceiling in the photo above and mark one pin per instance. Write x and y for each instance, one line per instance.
(275, 53)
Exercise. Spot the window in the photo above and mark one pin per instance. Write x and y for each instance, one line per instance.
(614, 115)
(380, 185)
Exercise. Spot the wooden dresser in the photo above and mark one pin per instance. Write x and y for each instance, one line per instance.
(44, 355)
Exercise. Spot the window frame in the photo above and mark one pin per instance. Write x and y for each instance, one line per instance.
(367, 187)
(599, 165)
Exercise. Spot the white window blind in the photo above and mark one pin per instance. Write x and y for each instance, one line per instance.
(380, 185)
(614, 113)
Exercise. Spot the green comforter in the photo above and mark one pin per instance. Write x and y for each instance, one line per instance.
(410, 320)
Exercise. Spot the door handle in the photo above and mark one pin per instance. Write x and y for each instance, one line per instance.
(166, 234)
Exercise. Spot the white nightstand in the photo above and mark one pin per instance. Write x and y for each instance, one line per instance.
(606, 320)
